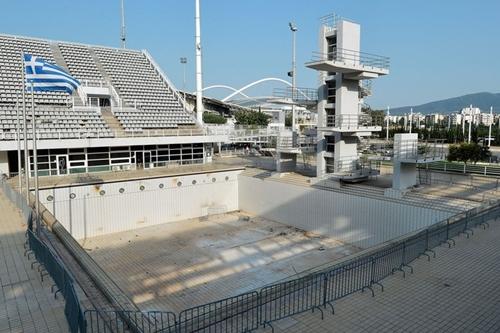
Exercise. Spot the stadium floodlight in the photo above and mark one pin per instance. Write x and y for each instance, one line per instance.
(292, 26)
(122, 34)
(184, 62)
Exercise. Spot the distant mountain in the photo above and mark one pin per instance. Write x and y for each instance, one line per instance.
(481, 100)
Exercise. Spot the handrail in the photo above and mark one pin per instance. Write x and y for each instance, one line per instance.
(297, 94)
(167, 80)
(116, 97)
(353, 57)
(352, 121)
(419, 150)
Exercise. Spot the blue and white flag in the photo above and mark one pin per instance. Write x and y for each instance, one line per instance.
(46, 76)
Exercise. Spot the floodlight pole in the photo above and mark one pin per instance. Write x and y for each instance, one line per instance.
(411, 118)
(387, 124)
(184, 62)
(489, 128)
(122, 35)
(470, 123)
(293, 29)
(199, 77)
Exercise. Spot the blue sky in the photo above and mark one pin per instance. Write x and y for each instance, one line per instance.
(438, 49)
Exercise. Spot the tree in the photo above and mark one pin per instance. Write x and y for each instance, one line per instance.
(213, 118)
(466, 152)
(252, 118)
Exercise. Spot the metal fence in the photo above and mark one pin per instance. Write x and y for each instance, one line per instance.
(246, 312)
(129, 321)
(63, 282)
(479, 169)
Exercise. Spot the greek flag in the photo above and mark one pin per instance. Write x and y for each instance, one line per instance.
(46, 76)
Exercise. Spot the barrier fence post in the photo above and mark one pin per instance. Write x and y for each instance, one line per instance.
(325, 285)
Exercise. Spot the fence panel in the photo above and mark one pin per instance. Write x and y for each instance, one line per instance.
(235, 314)
(457, 227)
(387, 261)
(103, 321)
(414, 247)
(120, 321)
(62, 280)
(437, 235)
(291, 297)
(348, 278)
(73, 311)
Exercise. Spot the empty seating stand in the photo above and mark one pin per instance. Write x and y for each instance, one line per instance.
(56, 123)
(141, 87)
(11, 66)
(80, 63)
(148, 102)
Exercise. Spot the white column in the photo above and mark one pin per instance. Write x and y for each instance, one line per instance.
(294, 79)
(411, 118)
(199, 78)
(489, 127)
(387, 125)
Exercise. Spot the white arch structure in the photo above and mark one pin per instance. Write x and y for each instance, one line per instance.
(239, 91)
(221, 86)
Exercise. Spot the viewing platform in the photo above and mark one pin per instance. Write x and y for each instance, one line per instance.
(353, 64)
(412, 151)
(297, 96)
(359, 124)
(353, 169)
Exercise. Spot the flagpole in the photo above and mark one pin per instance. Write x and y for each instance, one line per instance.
(18, 137)
(35, 160)
(25, 133)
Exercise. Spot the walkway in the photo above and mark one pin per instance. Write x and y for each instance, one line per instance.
(26, 303)
(458, 291)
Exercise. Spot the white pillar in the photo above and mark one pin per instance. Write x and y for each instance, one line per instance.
(294, 79)
(411, 118)
(470, 128)
(387, 128)
(199, 78)
(489, 127)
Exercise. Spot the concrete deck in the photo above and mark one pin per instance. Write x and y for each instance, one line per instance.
(26, 303)
(458, 291)
(117, 176)
(179, 265)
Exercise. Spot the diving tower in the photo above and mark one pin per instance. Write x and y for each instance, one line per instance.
(343, 70)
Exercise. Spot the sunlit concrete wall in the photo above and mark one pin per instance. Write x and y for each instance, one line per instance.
(112, 207)
(357, 220)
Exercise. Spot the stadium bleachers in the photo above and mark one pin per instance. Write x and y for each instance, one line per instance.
(141, 87)
(148, 101)
(80, 63)
(56, 123)
(11, 67)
